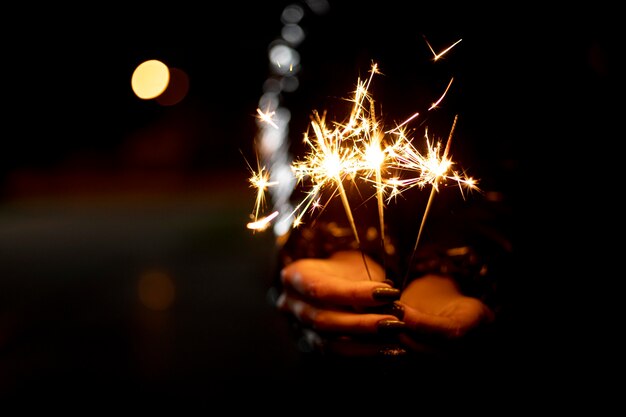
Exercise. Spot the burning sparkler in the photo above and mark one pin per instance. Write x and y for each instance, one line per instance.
(361, 148)
(432, 169)
(328, 163)
(260, 180)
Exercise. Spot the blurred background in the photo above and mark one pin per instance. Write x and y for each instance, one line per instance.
(124, 255)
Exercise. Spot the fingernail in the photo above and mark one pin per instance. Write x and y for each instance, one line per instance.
(385, 294)
(390, 326)
(394, 309)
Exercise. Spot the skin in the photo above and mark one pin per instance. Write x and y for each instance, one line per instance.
(334, 296)
(330, 294)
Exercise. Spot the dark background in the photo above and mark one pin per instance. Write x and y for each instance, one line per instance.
(98, 187)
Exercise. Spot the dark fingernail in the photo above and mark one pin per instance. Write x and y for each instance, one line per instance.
(390, 326)
(394, 309)
(397, 310)
(385, 294)
(388, 281)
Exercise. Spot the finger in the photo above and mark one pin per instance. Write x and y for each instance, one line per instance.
(395, 309)
(312, 279)
(350, 265)
(430, 323)
(327, 320)
(356, 266)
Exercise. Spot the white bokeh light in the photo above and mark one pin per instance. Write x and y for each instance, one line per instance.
(292, 14)
(292, 33)
(284, 59)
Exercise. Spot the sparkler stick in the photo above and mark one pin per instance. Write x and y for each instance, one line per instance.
(373, 156)
(433, 190)
(331, 158)
(346, 206)
(381, 206)
(328, 162)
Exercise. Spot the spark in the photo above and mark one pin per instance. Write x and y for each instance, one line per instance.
(263, 223)
(260, 180)
(369, 145)
(327, 164)
(433, 170)
(406, 121)
(437, 56)
(267, 117)
(355, 148)
(436, 103)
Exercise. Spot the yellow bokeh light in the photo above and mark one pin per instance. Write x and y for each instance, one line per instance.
(150, 79)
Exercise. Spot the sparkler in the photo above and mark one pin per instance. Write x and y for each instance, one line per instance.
(371, 153)
(433, 170)
(260, 180)
(361, 148)
(345, 151)
(328, 163)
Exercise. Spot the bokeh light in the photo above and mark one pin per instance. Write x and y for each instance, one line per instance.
(150, 79)
(156, 290)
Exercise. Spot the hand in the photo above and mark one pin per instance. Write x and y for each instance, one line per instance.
(336, 298)
(335, 294)
(433, 305)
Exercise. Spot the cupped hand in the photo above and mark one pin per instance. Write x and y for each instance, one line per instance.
(338, 295)
(433, 304)
(339, 300)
